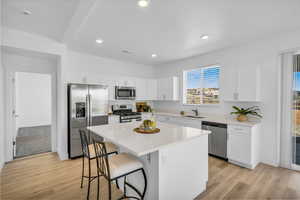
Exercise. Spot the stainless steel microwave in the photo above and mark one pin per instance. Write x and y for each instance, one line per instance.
(125, 93)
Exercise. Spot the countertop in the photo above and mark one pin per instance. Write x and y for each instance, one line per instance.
(142, 144)
(224, 119)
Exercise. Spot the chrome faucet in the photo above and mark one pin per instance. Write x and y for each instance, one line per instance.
(196, 112)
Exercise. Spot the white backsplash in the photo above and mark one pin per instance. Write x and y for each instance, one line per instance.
(128, 102)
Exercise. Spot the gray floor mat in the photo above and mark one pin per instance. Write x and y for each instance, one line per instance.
(33, 140)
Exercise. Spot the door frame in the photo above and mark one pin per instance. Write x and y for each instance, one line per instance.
(286, 144)
(10, 119)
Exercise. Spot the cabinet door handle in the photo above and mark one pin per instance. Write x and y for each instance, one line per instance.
(235, 96)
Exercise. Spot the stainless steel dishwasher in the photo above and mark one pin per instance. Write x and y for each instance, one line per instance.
(217, 140)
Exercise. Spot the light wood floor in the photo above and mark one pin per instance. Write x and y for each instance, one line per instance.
(46, 177)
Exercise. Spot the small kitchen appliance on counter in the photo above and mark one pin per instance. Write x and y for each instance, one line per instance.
(126, 113)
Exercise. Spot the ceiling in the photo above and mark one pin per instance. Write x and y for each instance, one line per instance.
(169, 28)
(49, 18)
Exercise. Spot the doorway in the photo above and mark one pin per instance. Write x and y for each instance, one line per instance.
(33, 114)
(290, 116)
(296, 113)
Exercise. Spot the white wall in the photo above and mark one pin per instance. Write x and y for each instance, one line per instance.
(264, 53)
(94, 68)
(33, 99)
(32, 42)
(1, 99)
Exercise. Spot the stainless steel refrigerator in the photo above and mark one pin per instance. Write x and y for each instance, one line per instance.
(87, 106)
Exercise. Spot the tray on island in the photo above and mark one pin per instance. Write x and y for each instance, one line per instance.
(147, 131)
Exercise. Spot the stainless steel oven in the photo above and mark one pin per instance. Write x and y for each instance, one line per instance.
(125, 93)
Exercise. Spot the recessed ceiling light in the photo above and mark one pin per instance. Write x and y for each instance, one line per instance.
(26, 12)
(204, 37)
(153, 55)
(143, 3)
(99, 41)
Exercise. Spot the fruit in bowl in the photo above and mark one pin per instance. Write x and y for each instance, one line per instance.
(148, 124)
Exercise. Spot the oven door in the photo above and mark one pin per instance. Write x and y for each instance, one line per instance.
(125, 93)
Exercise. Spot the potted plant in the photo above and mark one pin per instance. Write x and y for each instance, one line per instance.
(242, 113)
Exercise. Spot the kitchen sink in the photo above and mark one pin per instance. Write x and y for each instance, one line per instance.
(193, 116)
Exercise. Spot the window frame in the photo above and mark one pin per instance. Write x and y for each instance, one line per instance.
(184, 76)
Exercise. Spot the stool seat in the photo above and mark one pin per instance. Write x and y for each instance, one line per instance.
(122, 164)
(110, 148)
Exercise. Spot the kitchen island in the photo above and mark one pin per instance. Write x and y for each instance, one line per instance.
(175, 159)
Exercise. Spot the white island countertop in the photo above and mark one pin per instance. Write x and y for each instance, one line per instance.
(142, 144)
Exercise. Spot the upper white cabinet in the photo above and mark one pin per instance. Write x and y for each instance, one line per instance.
(126, 82)
(141, 89)
(167, 89)
(242, 84)
(151, 85)
(147, 89)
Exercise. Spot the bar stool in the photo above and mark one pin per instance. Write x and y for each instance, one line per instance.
(88, 152)
(118, 166)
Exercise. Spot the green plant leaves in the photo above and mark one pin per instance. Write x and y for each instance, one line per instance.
(254, 110)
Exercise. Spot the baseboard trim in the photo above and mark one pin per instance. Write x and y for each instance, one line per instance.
(1, 166)
(63, 155)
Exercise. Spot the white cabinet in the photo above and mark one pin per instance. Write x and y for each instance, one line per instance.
(141, 89)
(113, 119)
(146, 89)
(242, 84)
(167, 89)
(243, 145)
(151, 85)
(126, 82)
(111, 89)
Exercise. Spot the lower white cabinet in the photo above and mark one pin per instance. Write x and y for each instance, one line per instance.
(243, 145)
(113, 119)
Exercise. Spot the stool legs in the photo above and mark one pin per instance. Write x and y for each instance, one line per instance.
(88, 194)
(109, 190)
(145, 186)
(82, 172)
(98, 185)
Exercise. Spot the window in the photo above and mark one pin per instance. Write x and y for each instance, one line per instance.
(201, 86)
